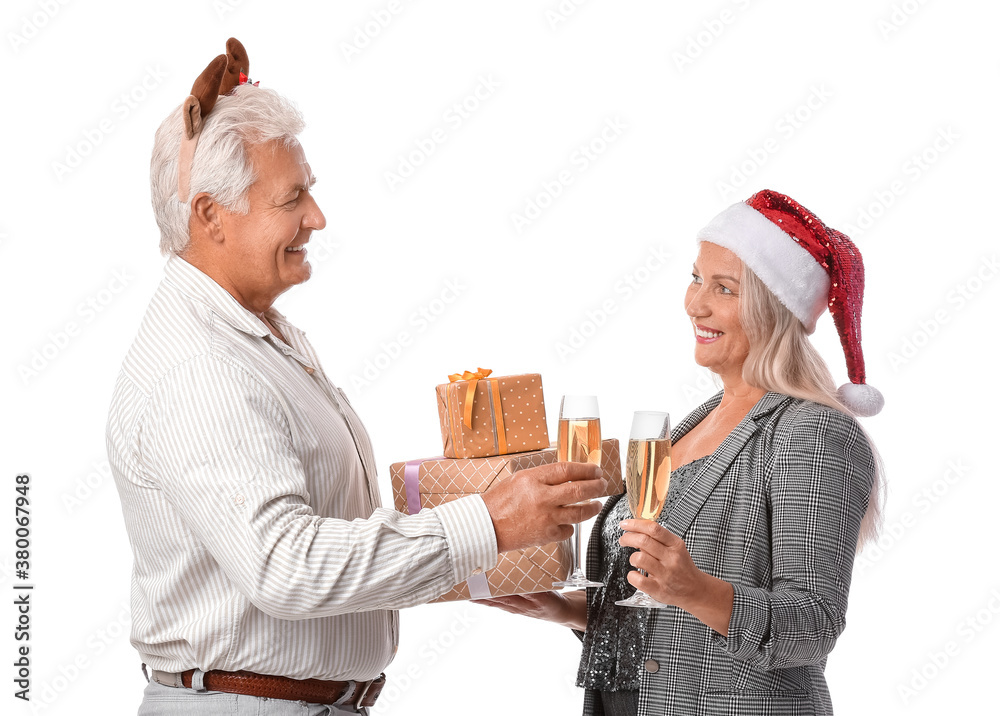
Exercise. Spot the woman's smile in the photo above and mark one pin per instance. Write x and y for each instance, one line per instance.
(706, 335)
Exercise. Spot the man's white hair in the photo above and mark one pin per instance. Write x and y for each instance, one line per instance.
(222, 166)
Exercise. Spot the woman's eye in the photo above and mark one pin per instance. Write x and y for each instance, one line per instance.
(695, 278)
(726, 290)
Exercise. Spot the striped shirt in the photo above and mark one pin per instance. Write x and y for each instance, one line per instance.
(249, 494)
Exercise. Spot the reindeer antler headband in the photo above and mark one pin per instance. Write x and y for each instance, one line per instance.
(220, 77)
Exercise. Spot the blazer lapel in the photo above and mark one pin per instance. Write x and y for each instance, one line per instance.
(698, 491)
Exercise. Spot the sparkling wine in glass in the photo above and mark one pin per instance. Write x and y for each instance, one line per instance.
(579, 441)
(647, 479)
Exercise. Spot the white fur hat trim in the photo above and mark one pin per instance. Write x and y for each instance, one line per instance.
(785, 267)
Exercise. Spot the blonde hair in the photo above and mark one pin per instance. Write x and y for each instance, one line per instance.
(783, 360)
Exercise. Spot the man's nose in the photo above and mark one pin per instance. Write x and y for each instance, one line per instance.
(314, 218)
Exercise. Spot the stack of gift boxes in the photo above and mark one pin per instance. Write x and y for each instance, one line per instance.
(491, 427)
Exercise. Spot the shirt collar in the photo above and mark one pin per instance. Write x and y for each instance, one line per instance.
(201, 287)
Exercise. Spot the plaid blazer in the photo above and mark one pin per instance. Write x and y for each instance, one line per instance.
(775, 511)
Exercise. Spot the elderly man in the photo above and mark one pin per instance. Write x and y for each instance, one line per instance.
(264, 566)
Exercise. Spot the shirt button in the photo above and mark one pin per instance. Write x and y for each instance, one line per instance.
(238, 500)
(652, 666)
(477, 570)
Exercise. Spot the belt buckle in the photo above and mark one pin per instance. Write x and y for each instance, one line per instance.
(362, 690)
(360, 696)
(347, 698)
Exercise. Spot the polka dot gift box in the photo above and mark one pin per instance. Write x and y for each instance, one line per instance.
(483, 416)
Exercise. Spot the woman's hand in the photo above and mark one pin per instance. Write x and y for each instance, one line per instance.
(673, 577)
(569, 609)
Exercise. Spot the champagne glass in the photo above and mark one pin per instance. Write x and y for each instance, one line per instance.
(647, 479)
(579, 441)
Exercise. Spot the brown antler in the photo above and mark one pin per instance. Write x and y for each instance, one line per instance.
(237, 62)
(219, 78)
(204, 94)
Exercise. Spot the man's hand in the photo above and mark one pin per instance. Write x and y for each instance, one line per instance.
(539, 505)
(568, 609)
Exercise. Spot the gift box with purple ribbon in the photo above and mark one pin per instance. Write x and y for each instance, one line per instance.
(429, 482)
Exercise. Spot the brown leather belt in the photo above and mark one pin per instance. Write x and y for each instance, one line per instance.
(314, 691)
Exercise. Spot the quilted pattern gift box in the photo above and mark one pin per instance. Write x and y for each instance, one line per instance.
(433, 481)
(483, 416)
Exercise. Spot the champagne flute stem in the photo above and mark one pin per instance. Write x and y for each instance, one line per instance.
(577, 547)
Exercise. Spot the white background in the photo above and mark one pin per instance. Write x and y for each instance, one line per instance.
(881, 117)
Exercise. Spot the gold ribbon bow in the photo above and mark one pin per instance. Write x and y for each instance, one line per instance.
(470, 395)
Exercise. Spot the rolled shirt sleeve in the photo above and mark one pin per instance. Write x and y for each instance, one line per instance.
(820, 481)
(218, 442)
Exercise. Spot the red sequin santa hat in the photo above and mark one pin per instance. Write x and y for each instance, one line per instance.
(808, 267)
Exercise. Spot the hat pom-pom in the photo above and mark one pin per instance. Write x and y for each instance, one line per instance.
(864, 400)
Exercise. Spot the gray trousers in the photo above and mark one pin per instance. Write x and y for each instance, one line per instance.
(160, 700)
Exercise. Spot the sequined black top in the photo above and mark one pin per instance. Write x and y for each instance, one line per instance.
(613, 644)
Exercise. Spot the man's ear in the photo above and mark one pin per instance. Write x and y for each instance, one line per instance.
(205, 218)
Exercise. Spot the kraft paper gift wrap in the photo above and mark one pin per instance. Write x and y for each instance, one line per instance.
(483, 416)
(429, 482)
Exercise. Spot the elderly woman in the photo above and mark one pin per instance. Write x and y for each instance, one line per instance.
(774, 486)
